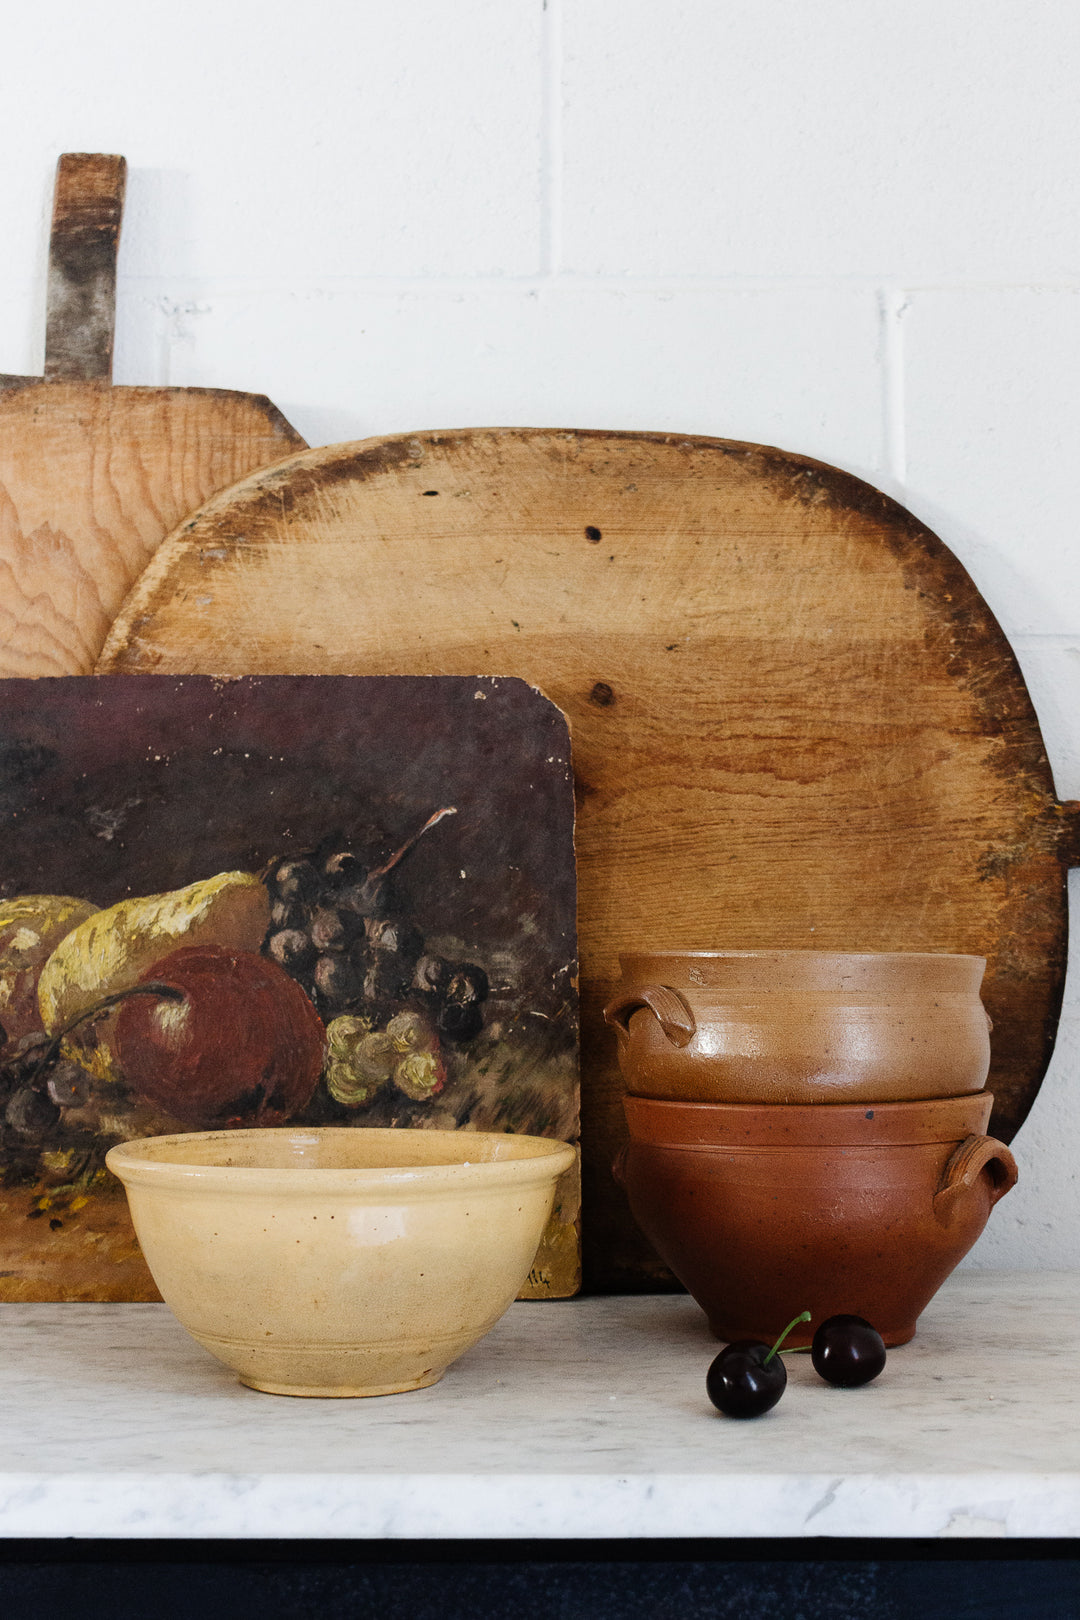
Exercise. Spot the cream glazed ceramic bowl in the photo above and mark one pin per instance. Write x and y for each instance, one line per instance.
(339, 1261)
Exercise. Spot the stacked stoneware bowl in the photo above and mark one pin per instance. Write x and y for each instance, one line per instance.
(807, 1129)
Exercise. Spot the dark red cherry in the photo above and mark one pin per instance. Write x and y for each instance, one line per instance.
(847, 1351)
(748, 1377)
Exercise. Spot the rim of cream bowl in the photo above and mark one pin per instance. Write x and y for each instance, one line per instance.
(139, 1163)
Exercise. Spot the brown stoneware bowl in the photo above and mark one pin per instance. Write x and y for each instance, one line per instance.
(762, 1212)
(800, 1026)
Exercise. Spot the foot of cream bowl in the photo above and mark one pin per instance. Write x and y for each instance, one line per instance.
(339, 1261)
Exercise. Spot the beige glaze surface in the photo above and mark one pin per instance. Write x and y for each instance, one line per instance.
(797, 1027)
(322, 1261)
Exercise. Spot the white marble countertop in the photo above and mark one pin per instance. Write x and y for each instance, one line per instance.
(583, 1418)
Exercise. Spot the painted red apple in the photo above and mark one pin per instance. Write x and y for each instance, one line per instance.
(244, 1045)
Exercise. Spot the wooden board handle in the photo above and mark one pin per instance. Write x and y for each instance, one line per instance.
(80, 317)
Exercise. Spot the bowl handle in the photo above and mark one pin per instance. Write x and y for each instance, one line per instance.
(970, 1159)
(676, 1019)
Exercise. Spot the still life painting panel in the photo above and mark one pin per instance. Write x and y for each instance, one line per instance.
(273, 901)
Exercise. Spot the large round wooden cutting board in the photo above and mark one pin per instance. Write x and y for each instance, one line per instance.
(795, 721)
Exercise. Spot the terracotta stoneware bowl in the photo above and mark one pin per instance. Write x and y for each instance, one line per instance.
(762, 1212)
(323, 1261)
(800, 1026)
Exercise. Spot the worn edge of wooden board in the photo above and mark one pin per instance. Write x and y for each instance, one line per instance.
(275, 417)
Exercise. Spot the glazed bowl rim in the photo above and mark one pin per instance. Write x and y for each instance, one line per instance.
(727, 1128)
(132, 1164)
(890, 1108)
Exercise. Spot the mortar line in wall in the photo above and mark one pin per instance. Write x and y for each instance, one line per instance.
(892, 302)
(494, 281)
(551, 146)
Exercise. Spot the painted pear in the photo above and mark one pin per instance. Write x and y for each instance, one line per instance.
(113, 949)
(31, 927)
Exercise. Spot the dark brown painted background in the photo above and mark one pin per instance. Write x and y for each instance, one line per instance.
(116, 788)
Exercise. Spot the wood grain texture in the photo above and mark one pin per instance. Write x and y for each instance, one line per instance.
(91, 479)
(795, 721)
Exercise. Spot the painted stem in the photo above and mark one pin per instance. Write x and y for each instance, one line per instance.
(410, 843)
(152, 987)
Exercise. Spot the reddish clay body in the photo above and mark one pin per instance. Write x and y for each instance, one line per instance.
(799, 1027)
(763, 1211)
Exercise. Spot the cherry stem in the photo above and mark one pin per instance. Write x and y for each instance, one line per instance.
(151, 987)
(805, 1317)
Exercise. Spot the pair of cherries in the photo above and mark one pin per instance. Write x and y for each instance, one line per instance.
(748, 1377)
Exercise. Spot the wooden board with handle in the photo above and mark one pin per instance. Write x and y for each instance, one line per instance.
(795, 721)
(92, 477)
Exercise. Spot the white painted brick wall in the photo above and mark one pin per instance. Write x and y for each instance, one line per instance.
(848, 228)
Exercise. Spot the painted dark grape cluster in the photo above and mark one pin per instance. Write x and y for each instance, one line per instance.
(42, 1099)
(33, 1091)
(394, 1011)
(338, 926)
(47, 1097)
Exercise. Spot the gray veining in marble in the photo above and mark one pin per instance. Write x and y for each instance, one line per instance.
(575, 1418)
